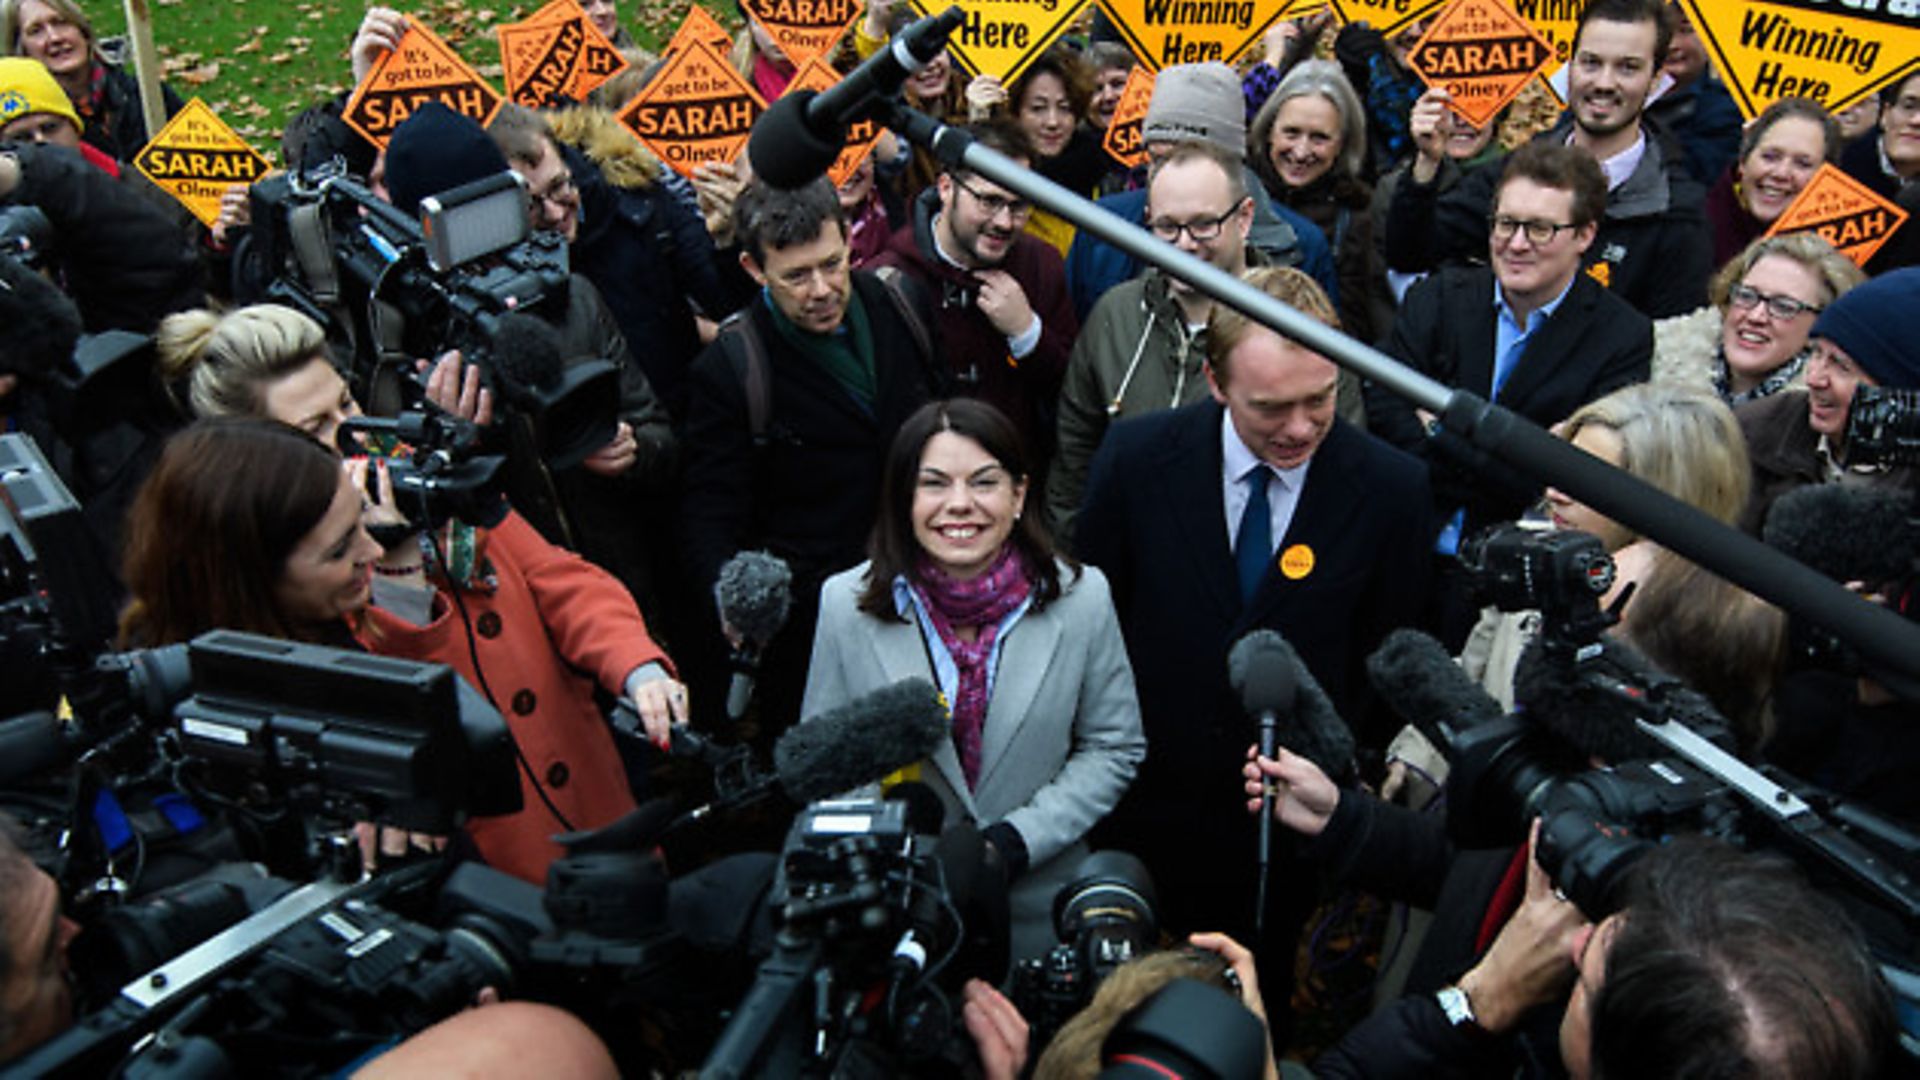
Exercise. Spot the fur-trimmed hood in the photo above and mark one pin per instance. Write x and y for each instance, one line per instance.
(621, 157)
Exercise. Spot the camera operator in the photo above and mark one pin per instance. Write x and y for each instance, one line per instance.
(1736, 944)
(36, 998)
(123, 261)
(252, 525)
(597, 508)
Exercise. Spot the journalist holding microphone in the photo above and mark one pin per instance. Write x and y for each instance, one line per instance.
(252, 524)
(965, 587)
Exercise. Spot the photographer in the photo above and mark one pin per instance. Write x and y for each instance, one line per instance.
(597, 508)
(251, 525)
(36, 999)
(121, 259)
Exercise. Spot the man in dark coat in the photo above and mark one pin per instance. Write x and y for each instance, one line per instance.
(1653, 248)
(1256, 509)
(790, 415)
(1004, 317)
(1531, 332)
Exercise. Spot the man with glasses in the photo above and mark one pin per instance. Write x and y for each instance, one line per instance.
(1887, 160)
(1003, 314)
(1145, 341)
(1530, 332)
(1653, 248)
(645, 250)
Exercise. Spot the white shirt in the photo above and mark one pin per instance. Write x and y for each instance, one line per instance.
(1283, 485)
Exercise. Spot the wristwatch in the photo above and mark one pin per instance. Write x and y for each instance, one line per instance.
(1459, 1009)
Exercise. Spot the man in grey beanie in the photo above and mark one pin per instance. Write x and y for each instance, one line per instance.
(1800, 438)
(1196, 103)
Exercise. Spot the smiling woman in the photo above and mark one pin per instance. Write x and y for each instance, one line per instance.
(58, 34)
(964, 588)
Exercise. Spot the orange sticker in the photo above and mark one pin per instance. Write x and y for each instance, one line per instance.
(420, 69)
(1386, 16)
(1124, 140)
(861, 136)
(1296, 562)
(196, 157)
(1482, 54)
(702, 27)
(1001, 37)
(804, 29)
(1163, 33)
(696, 109)
(555, 57)
(1835, 54)
(1843, 212)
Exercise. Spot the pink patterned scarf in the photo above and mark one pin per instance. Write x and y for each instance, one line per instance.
(980, 603)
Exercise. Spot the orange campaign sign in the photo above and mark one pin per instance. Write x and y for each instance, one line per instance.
(699, 26)
(420, 69)
(1124, 140)
(1163, 33)
(1843, 212)
(1833, 52)
(555, 56)
(696, 109)
(1482, 54)
(804, 29)
(817, 75)
(196, 157)
(1386, 16)
(1001, 37)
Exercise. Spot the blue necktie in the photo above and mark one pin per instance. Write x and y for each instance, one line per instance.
(1253, 546)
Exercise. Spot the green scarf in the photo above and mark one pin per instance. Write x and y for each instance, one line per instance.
(848, 357)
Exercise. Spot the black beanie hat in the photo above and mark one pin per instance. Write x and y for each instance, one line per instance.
(436, 150)
(1870, 323)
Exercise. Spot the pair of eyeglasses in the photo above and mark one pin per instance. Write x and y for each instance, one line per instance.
(995, 205)
(1202, 230)
(1538, 232)
(557, 192)
(1744, 296)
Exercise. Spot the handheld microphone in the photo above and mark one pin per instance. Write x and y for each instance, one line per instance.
(1413, 673)
(753, 593)
(797, 138)
(1268, 674)
(1258, 668)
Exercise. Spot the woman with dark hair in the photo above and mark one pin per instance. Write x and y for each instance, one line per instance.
(1779, 153)
(1049, 103)
(250, 524)
(965, 589)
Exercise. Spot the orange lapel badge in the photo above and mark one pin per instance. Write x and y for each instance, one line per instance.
(1296, 562)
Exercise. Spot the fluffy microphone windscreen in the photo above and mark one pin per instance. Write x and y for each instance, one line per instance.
(1413, 674)
(860, 742)
(754, 592)
(1848, 532)
(1260, 669)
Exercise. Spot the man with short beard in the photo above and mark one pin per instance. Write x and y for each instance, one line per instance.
(1654, 249)
(1003, 315)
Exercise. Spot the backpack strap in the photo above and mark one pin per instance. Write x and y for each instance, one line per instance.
(903, 293)
(748, 355)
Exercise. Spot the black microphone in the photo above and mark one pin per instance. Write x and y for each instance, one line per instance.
(1259, 670)
(1414, 675)
(1267, 673)
(753, 593)
(1848, 532)
(796, 139)
(33, 743)
(860, 742)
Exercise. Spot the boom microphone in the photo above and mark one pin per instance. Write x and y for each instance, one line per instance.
(1847, 532)
(797, 138)
(1413, 673)
(860, 742)
(753, 593)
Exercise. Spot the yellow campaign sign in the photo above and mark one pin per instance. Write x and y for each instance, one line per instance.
(1386, 16)
(556, 56)
(804, 29)
(1001, 37)
(1482, 54)
(1833, 52)
(817, 75)
(1163, 33)
(1843, 212)
(699, 25)
(1124, 140)
(420, 69)
(1556, 21)
(696, 109)
(195, 157)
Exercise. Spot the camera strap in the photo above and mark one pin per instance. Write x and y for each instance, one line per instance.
(313, 249)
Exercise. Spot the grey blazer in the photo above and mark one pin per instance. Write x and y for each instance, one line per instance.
(1062, 737)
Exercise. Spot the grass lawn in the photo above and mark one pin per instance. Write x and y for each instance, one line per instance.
(259, 62)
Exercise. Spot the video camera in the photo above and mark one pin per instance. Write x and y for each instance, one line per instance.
(469, 275)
